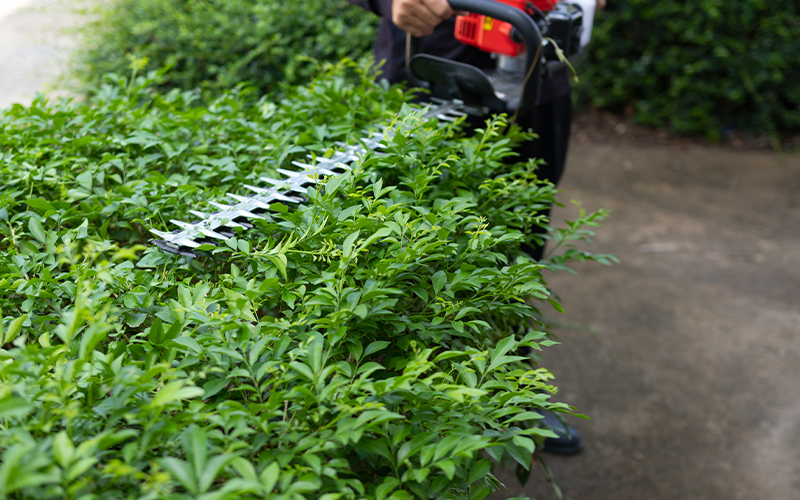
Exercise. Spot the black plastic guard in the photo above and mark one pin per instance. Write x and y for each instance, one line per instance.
(455, 80)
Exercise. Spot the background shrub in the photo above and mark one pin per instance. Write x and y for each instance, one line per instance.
(699, 66)
(693, 67)
(217, 44)
(361, 345)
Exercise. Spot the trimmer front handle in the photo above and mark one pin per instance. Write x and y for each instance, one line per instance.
(525, 29)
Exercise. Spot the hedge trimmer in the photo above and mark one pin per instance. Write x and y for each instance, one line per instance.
(288, 189)
(511, 30)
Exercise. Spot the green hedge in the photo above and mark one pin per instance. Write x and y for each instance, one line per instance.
(218, 44)
(361, 345)
(701, 66)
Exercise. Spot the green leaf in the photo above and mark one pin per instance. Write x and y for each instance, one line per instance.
(212, 470)
(15, 408)
(195, 444)
(174, 392)
(304, 370)
(14, 328)
(449, 355)
(556, 305)
(361, 311)
(439, 280)
(181, 471)
(36, 229)
(315, 353)
(355, 348)
(280, 262)
(388, 485)
(81, 467)
(520, 454)
(63, 449)
(480, 492)
(214, 386)
(269, 476)
(525, 443)
(376, 346)
(186, 344)
(347, 247)
(156, 333)
(135, 320)
(498, 354)
(244, 468)
(448, 467)
(40, 204)
(333, 183)
(525, 416)
(376, 448)
(479, 470)
(446, 445)
(380, 233)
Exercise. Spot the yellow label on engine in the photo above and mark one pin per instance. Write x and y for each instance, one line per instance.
(487, 23)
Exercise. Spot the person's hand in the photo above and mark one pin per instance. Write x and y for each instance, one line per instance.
(419, 17)
(600, 4)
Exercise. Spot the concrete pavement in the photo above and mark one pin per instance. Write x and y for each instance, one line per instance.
(687, 354)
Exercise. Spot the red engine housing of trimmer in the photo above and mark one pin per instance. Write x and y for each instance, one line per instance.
(494, 36)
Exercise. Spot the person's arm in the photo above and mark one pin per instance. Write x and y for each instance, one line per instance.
(418, 17)
(381, 8)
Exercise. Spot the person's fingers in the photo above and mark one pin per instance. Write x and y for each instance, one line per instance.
(414, 17)
(414, 26)
(601, 4)
(418, 30)
(440, 8)
(422, 13)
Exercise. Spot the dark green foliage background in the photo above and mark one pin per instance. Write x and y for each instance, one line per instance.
(217, 44)
(700, 66)
(695, 67)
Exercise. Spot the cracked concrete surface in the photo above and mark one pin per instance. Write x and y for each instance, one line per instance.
(686, 355)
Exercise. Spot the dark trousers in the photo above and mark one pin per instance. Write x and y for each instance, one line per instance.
(551, 121)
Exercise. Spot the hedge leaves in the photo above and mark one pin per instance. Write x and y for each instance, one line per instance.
(365, 344)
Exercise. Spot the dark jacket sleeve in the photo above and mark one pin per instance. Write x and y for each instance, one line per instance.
(382, 8)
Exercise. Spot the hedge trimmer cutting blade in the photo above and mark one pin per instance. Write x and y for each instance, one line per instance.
(218, 226)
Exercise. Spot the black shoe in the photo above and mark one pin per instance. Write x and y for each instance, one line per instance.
(569, 440)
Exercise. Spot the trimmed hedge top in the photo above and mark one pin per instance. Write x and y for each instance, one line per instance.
(363, 345)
